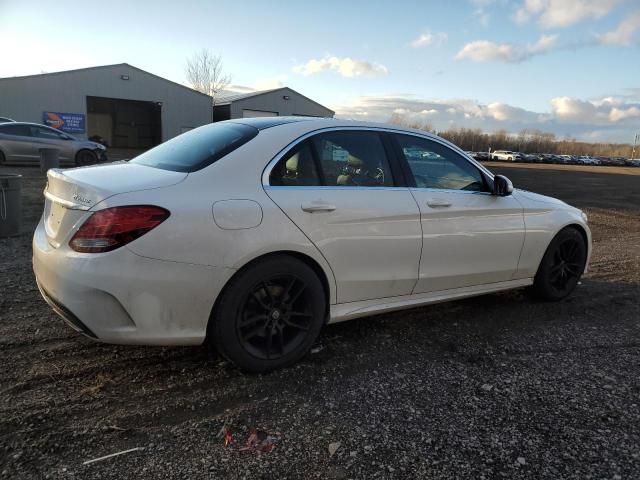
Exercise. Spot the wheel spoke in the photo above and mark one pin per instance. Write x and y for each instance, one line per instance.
(254, 332)
(260, 301)
(265, 287)
(269, 342)
(289, 323)
(301, 314)
(251, 320)
(296, 295)
(288, 288)
(281, 341)
(555, 268)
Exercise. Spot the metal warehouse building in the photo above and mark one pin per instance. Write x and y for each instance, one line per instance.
(267, 103)
(128, 107)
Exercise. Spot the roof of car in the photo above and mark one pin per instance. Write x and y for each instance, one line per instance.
(267, 122)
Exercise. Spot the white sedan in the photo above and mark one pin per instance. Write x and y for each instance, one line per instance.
(250, 235)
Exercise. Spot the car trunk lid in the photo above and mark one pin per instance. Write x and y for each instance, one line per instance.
(71, 194)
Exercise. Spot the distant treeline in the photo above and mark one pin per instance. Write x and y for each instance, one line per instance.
(527, 141)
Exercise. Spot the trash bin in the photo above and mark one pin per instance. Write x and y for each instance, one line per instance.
(10, 204)
(49, 159)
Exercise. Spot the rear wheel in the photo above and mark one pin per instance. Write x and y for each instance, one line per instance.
(86, 157)
(562, 266)
(269, 315)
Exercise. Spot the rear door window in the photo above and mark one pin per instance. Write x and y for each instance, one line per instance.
(198, 148)
(18, 130)
(353, 158)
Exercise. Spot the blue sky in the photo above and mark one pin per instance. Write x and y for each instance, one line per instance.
(571, 67)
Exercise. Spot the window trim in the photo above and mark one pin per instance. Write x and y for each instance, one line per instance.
(401, 183)
(487, 176)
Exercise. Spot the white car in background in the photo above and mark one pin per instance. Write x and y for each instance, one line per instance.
(250, 235)
(505, 155)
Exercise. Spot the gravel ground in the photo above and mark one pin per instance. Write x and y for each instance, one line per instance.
(491, 387)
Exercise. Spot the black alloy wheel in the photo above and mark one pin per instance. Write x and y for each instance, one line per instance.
(269, 314)
(275, 317)
(562, 265)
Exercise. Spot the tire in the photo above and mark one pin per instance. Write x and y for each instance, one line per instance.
(562, 266)
(510, 159)
(269, 314)
(86, 157)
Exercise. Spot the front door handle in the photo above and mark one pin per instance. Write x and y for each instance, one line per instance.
(312, 207)
(438, 203)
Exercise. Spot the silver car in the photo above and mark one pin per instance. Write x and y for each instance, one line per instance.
(21, 142)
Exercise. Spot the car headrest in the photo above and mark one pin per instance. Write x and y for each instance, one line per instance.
(354, 162)
(292, 163)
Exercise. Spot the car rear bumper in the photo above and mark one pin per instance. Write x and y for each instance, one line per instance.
(121, 297)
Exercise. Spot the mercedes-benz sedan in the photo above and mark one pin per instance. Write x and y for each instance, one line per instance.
(250, 235)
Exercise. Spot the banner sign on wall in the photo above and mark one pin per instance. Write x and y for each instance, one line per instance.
(67, 122)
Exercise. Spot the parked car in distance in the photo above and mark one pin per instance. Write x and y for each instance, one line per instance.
(21, 142)
(505, 155)
(250, 235)
(587, 160)
(481, 156)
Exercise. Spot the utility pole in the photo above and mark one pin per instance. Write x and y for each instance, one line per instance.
(635, 140)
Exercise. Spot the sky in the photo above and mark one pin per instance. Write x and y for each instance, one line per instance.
(570, 67)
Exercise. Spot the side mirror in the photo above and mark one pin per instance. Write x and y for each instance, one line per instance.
(502, 186)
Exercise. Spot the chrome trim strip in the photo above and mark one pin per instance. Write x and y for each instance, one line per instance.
(331, 187)
(427, 136)
(66, 203)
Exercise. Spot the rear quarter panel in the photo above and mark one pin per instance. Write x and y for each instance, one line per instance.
(191, 235)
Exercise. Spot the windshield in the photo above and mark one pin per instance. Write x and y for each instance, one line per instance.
(197, 148)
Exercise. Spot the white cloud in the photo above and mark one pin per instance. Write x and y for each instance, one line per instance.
(427, 39)
(567, 116)
(562, 13)
(345, 66)
(624, 33)
(486, 51)
(606, 110)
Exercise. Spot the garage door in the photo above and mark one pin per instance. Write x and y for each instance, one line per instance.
(258, 113)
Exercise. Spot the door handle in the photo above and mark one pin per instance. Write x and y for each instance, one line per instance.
(312, 207)
(437, 203)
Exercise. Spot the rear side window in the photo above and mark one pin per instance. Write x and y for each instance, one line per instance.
(197, 148)
(12, 129)
(296, 169)
(347, 158)
(47, 133)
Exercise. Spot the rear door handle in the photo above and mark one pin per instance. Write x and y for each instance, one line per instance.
(312, 207)
(437, 203)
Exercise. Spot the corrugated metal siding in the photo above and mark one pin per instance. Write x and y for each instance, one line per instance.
(25, 98)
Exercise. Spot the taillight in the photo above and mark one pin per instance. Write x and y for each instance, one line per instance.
(114, 227)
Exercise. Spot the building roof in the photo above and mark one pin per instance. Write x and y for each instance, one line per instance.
(227, 98)
(105, 67)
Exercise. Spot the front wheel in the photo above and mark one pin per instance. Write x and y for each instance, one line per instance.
(269, 315)
(562, 266)
(86, 157)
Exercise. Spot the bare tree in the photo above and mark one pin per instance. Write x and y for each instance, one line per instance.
(205, 73)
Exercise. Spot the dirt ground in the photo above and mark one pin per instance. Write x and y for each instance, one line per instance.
(497, 386)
